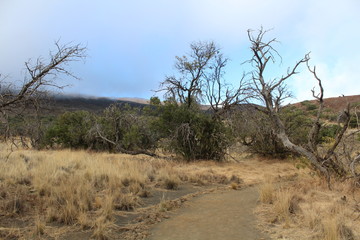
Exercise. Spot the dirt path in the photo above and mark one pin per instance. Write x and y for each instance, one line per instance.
(224, 215)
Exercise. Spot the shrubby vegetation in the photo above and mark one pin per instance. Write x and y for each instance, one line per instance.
(188, 132)
(192, 133)
(114, 130)
(309, 106)
(70, 130)
(253, 128)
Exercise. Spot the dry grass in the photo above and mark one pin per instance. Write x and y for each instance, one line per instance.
(10, 233)
(39, 229)
(76, 187)
(85, 191)
(305, 206)
(102, 226)
(330, 227)
(267, 191)
(168, 178)
(246, 171)
(283, 205)
(85, 221)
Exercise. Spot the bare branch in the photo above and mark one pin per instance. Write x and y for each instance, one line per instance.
(41, 75)
(39, 72)
(352, 165)
(118, 145)
(315, 130)
(341, 133)
(193, 69)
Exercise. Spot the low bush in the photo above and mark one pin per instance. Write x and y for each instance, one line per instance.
(328, 132)
(114, 130)
(254, 129)
(192, 133)
(309, 106)
(70, 130)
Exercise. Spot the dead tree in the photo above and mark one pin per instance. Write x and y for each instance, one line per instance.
(201, 79)
(41, 75)
(188, 86)
(220, 95)
(272, 93)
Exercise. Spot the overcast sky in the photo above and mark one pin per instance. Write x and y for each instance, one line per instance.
(132, 44)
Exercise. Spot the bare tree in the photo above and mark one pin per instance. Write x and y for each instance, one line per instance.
(201, 80)
(220, 95)
(193, 70)
(272, 93)
(40, 76)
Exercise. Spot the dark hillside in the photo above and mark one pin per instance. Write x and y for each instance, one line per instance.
(64, 103)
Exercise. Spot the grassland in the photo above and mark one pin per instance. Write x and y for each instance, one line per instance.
(48, 194)
(68, 194)
(304, 208)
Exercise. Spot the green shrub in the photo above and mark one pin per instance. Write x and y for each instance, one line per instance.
(192, 133)
(354, 121)
(309, 106)
(328, 132)
(114, 130)
(70, 130)
(255, 129)
(127, 128)
(330, 116)
(297, 125)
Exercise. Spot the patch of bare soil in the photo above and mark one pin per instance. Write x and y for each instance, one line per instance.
(226, 214)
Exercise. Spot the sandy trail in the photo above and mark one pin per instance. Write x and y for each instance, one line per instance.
(224, 215)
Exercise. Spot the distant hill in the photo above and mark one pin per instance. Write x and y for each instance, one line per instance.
(63, 103)
(135, 100)
(335, 104)
(340, 103)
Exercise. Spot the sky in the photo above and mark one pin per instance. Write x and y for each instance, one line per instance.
(132, 44)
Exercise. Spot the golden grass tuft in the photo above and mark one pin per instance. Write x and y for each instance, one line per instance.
(85, 221)
(168, 178)
(333, 228)
(107, 207)
(126, 202)
(267, 192)
(330, 228)
(312, 220)
(304, 206)
(101, 229)
(282, 205)
(39, 228)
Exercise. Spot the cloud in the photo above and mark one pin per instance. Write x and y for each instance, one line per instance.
(132, 44)
(328, 30)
